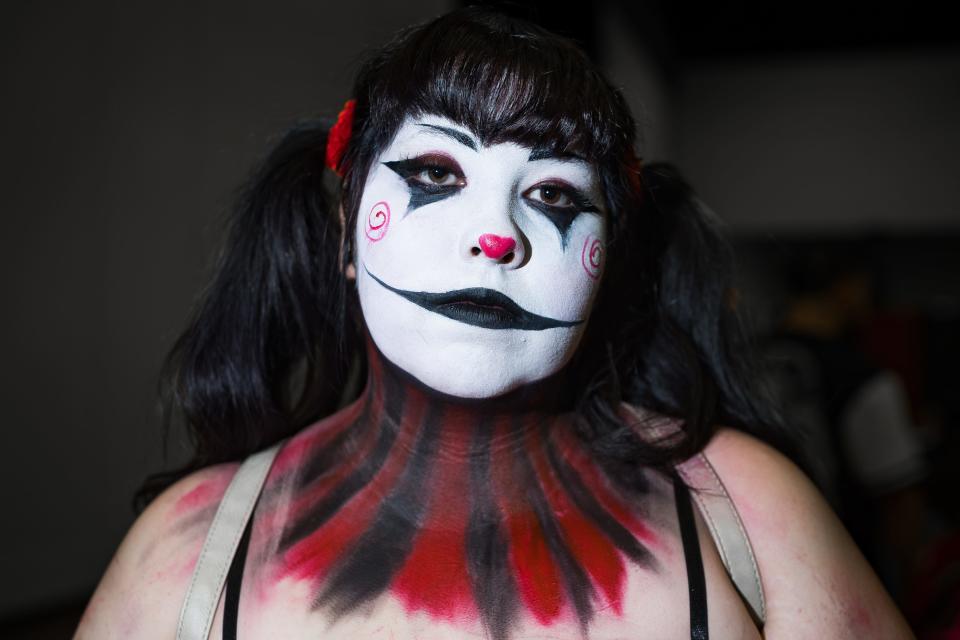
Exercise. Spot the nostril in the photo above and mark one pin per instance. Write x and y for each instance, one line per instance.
(507, 258)
(475, 251)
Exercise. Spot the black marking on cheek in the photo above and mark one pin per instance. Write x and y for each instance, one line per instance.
(353, 484)
(588, 505)
(487, 548)
(576, 582)
(420, 194)
(562, 220)
(367, 569)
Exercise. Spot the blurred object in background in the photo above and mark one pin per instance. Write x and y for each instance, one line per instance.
(861, 342)
(933, 596)
(860, 441)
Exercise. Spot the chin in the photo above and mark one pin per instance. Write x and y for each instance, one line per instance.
(470, 387)
(477, 368)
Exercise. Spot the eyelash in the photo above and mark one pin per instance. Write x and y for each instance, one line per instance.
(578, 201)
(410, 168)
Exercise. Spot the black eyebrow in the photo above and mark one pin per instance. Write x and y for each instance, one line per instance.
(459, 136)
(545, 153)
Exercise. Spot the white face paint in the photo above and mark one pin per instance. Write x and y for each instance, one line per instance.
(446, 227)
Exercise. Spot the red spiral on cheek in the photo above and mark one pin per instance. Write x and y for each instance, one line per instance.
(592, 256)
(378, 220)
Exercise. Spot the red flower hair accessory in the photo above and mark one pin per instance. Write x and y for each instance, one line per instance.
(339, 137)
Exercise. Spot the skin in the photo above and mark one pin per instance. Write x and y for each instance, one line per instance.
(420, 512)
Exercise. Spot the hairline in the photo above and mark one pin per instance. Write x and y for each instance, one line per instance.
(466, 136)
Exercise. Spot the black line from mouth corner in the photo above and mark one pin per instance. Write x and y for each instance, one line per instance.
(516, 316)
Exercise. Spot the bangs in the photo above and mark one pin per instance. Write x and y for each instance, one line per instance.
(505, 80)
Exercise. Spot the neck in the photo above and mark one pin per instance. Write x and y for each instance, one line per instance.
(499, 492)
(399, 403)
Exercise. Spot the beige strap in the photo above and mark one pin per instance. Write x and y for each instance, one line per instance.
(727, 530)
(210, 574)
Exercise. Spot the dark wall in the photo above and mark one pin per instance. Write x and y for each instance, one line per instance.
(816, 142)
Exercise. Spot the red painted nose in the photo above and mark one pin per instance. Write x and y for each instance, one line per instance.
(495, 246)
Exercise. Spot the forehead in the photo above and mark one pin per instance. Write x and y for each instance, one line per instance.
(428, 128)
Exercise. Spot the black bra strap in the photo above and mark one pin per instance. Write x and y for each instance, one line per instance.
(691, 551)
(231, 602)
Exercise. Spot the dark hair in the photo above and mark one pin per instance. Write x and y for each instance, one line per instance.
(266, 353)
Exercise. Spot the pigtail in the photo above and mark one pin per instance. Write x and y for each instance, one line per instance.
(675, 341)
(699, 364)
(263, 353)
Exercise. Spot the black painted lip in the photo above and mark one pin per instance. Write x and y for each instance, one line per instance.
(479, 307)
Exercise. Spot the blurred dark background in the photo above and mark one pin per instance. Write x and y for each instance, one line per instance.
(817, 131)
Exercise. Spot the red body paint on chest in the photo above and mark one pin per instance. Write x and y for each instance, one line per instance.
(592, 550)
(537, 575)
(313, 556)
(204, 495)
(434, 576)
(600, 486)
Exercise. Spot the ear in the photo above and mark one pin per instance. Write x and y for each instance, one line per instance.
(350, 271)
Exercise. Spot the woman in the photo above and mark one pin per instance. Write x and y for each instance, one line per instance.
(546, 335)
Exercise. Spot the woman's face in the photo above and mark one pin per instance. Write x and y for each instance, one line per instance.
(477, 266)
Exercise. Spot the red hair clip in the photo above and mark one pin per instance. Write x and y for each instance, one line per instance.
(339, 137)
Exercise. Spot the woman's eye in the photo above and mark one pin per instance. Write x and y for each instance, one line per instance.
(438, 176)
(552, 196)
(430, 172)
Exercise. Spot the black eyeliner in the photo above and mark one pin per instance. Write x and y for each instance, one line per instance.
(582, 203)
(421, 194)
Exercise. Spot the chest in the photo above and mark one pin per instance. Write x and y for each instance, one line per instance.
(651, 607)
(536, 541)
(435, 593)
(542, 546)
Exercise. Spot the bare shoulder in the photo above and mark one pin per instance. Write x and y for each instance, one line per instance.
(816, 582)
(141, 592)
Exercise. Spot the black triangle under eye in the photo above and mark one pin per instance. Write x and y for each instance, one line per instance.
(561, 217)
(421, 194)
